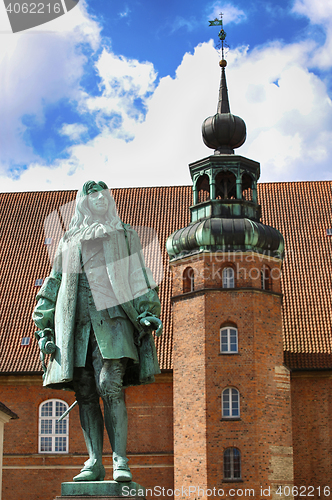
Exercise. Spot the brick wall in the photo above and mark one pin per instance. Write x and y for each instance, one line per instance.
(312, 432)
(39, 476)
(201, 372)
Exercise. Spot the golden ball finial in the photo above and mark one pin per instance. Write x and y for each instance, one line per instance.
(223, 63)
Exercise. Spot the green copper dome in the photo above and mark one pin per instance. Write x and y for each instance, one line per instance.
(223, 234)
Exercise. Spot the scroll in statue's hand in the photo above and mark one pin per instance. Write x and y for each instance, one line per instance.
(46, 346)
(45, 342)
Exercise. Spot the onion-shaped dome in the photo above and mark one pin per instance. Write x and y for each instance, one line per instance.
(218, 234)
(224, 131)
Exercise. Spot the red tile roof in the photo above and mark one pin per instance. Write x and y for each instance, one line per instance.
(300, 210)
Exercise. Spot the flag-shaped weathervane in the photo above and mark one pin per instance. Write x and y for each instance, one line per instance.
(222, 32)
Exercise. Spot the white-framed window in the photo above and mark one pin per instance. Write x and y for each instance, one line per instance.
(228, 280)
(228, 340)
(53, 435)
(232, 463)
(230, 403)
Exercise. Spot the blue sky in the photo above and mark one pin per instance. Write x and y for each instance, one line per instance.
(118, 91)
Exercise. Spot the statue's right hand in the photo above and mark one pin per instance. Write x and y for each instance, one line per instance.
(46, 346)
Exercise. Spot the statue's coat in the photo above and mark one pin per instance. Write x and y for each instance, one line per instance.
(127, 275)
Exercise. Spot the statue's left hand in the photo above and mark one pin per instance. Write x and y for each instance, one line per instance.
(151, 323)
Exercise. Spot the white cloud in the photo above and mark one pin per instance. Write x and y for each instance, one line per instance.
(73, 130)
(319, 12)
(287, 111)
(180, 22)
(38, 69)
(125, 12)
(123, 82)
(231, 14)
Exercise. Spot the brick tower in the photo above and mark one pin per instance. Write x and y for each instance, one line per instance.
(232, 414)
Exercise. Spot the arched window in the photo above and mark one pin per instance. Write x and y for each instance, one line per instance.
(188, 280)
(225, 185)
(230, 403)
(203, 188)
(232, 463)
(53, 435)
(228, 280)
(266, 282)
(228, 340)
(247, 187)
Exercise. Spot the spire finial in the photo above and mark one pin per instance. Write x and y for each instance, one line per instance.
(223, 103)
(223, 131)
(221, 35)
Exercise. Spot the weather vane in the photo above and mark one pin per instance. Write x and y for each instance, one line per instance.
(222, 33)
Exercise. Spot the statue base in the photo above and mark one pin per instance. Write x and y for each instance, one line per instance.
(101, 490)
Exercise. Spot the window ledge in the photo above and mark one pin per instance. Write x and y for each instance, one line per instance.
(55, 453)
(223, 419)
(232, 480)
(228, 353)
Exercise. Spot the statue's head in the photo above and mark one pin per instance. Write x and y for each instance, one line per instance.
(97, 196)
(94, 203)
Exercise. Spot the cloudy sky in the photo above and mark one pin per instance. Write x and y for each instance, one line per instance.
(118, 91)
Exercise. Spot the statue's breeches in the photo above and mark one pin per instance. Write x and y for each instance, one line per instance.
(99, 377)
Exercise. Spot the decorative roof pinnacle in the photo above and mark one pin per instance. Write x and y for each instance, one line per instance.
(223, 131)
(223, 103)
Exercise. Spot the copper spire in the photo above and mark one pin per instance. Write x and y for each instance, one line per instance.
(223, 131)
(223, 103)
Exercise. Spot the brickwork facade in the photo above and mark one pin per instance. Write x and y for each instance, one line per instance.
(262, 432)
(39, 475)
(312, 432)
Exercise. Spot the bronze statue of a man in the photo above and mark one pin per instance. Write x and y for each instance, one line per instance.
(96, 313)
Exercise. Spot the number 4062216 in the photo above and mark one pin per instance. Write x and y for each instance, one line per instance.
(303, 491)
(34, 8)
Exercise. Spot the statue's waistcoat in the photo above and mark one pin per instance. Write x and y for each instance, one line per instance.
(97, 307)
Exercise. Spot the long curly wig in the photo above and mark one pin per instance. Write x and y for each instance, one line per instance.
(83, 217)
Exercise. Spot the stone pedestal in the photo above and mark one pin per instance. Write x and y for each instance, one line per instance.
(101, 490)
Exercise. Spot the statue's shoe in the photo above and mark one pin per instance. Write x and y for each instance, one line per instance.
(121, 471)
(94, 472)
